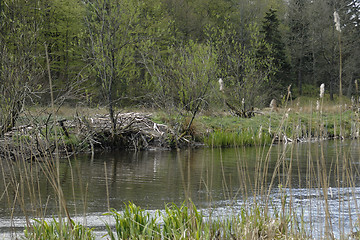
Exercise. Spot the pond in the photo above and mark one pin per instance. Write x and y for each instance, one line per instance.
(218, 179)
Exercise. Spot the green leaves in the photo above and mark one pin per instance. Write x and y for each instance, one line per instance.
(244, 72)
(185, 75)
(184, 222)
(133, 223)
(55, 230)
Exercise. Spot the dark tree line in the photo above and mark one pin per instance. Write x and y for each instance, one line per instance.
(168, 53)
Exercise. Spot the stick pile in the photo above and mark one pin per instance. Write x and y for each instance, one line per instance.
(133, 131)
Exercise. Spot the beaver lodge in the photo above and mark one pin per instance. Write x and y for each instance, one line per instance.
(135, 131)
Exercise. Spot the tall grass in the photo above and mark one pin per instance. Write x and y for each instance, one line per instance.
(270, 208)
(133, 223)
(23, 161)
(186, 222)
(42, 230)
(22, 170)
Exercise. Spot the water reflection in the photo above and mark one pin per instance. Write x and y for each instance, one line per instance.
(210, 177)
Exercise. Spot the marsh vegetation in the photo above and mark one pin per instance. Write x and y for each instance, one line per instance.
(86, 86)
(300, 190)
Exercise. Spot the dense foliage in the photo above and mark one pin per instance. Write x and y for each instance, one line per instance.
(171, 53)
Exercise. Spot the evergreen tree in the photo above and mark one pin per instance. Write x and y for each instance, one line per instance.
(299, 42)
(272, 36)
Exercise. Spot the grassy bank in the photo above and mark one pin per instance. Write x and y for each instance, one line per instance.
(176, 222)
(260, 217)
(85, 129)
(297, 121)
(232, 131)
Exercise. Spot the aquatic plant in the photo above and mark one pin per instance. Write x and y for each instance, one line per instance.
(184, 222)
(133, 223)
(257, 218)
(55, 230)
(322, 90)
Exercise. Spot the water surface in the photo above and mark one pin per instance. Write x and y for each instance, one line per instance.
(217, 179)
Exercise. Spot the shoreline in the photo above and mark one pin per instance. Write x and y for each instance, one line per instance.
(137, 131)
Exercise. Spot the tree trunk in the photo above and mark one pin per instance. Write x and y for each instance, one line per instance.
(111, 109)
(331, 88)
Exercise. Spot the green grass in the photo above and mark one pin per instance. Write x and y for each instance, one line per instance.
(243, 137)
(228, 131)
(253, 220)
(299, 119)
(133, 223)
(53, 230)
(176, 222)
(186, 222)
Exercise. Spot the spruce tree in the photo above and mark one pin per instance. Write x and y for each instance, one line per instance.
(272, 36)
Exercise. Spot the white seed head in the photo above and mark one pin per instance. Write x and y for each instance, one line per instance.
(260, 131)
(322, 90)
(221, 83)
(337, 21)
(331, 193)
(317, 105)
(243, 101)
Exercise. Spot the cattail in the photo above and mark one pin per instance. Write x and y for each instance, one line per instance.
(260, 132)
(322, 90)
(221, 83)
(273, 105)
(356, 87)
(331, 193)
(317, 105)
(337, 21)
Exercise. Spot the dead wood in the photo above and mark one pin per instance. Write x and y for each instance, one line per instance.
(240, 112)
(134, 131)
